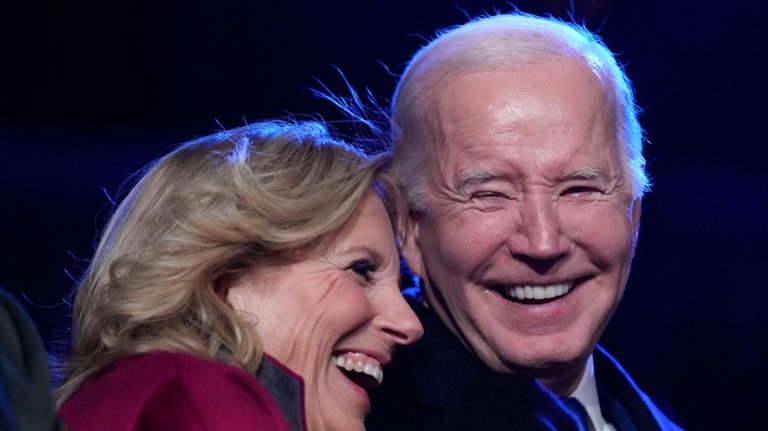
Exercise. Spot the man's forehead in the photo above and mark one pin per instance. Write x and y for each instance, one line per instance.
(562, 71)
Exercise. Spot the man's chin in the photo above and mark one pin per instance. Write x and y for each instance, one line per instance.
(558, 369)
(542, 356)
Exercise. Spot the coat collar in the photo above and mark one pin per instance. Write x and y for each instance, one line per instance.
(287, 390)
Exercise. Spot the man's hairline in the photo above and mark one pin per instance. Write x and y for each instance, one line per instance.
(429, 146)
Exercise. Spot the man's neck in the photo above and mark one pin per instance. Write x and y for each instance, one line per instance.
(586, 393)
(565, 381)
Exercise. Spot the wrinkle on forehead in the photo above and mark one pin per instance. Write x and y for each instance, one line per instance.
(538, 107)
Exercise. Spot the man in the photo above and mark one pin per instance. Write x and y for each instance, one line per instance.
(518, 145)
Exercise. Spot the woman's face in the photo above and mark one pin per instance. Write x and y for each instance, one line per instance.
(335, 317)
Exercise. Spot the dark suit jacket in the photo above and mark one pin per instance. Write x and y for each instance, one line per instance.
(435, 384)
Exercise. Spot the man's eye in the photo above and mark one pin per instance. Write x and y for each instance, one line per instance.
(363, 268)
(486, 194)
(580, 190)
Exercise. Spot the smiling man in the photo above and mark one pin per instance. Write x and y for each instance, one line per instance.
(518, 145)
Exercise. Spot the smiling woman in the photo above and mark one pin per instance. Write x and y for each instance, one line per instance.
(249, 280)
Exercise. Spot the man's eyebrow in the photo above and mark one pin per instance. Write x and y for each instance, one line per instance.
(474, 177)
(585, 174)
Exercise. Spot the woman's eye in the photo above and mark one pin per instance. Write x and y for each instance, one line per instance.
(363, 268)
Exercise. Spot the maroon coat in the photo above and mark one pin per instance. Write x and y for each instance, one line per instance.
(173, 391)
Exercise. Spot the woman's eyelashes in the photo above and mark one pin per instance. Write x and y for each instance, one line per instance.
(363, 268)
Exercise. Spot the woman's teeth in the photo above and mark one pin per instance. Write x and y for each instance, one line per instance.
(360, 363)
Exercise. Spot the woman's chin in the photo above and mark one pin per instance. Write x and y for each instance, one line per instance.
(341, 403)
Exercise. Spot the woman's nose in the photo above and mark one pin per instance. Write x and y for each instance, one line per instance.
(398, 320)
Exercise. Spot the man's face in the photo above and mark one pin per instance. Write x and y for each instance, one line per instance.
(530, 222)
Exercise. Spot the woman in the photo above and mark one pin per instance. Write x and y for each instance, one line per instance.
(248, 281)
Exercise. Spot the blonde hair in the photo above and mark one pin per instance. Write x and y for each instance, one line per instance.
(496, 43)
(212, 207)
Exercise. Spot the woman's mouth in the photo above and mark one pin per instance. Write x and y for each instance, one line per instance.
(360, 368)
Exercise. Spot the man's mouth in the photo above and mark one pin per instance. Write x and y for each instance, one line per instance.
(535, 294)
(360, 368)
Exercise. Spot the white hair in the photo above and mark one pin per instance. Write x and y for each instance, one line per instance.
(501, 42)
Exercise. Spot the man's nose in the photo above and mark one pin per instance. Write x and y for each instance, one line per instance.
(538, 233)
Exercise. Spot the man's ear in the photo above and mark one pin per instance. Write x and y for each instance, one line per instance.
(636, 210)
(410, 249)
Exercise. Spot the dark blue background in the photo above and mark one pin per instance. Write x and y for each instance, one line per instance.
(93, 90)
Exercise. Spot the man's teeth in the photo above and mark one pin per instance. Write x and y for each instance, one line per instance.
(360, 364)
(538, 292)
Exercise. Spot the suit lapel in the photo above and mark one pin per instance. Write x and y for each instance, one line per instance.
(622, 402)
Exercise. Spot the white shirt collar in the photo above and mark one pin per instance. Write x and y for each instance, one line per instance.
(586, 393)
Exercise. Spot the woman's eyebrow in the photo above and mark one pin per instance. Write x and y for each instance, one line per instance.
(365, 249)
